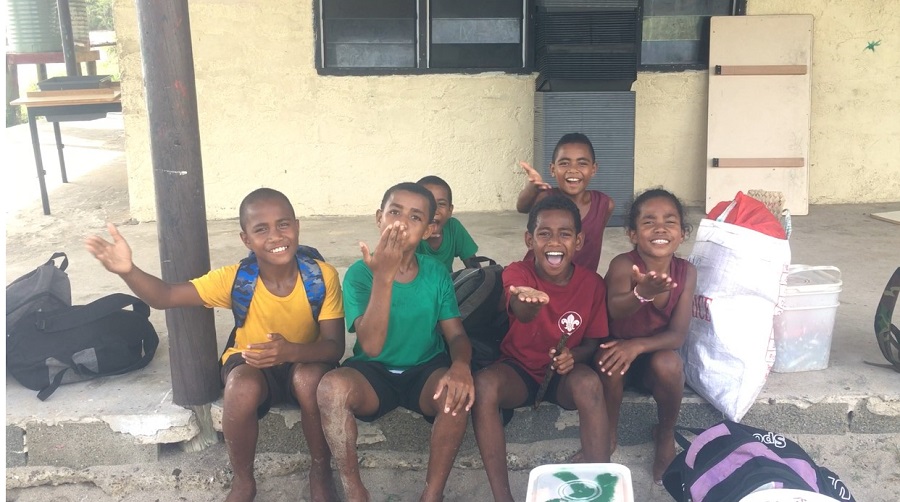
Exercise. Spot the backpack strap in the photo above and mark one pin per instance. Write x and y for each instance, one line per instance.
(97, 309)
(59, 254)
(248, 272)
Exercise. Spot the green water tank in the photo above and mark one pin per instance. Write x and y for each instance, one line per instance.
(33, 25)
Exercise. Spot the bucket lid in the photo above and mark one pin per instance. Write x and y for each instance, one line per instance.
(811, 279)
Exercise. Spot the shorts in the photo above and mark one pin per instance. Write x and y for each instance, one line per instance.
(397, 389)
(278, 382)
(533, 386)
(637, 373)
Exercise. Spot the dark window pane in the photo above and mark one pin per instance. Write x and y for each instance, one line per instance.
(360, 31)
(476, 31)
(687, 7)
(368, 8)
(476, 8)
(672, 52)
(476, 56)
(672, 28)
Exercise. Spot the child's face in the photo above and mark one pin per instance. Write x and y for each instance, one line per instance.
(658, 231)
(411, 210)
(573, 168)
(271, 231)
(444, 208)
(554, 242)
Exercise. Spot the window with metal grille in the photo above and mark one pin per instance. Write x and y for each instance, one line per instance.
(675, 33)
(421, 36)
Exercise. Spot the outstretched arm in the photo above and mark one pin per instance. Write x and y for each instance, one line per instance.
(531, 191)
(116, 257)
(623, 278)
(525, 302)
(371, 326)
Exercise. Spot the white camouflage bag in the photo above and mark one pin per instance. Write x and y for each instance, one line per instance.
(729, 350)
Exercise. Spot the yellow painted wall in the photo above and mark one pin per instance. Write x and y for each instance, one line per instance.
(333, 144)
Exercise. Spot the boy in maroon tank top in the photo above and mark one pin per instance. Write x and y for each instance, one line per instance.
(649, 297)
(573, 166)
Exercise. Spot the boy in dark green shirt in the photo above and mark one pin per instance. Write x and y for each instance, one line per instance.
(449, 238)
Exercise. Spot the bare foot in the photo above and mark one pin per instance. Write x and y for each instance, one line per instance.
(665, 451)
(357, 495)
(321, 483)
(242, 490)
(578, 456)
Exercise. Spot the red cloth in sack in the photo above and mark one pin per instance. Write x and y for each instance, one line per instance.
(749, 213)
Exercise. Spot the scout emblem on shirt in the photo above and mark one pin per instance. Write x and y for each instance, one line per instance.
(569, 322)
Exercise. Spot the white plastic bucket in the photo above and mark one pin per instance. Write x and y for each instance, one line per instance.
(580, 482)
(803, 330)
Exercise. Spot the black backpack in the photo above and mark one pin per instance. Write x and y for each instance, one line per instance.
(728, 461)
(49, 348)
(44, 289)
(479, 293)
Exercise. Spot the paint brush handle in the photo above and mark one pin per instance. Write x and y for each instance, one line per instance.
(548, 374)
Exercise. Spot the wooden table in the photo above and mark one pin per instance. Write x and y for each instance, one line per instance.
(64, 106)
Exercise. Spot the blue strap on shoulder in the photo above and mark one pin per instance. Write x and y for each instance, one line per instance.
(248, 272)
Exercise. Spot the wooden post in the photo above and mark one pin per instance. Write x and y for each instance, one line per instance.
(68, 38)
(180, 203)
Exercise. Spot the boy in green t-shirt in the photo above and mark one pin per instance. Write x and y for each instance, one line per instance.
(449, 238)
(394, 300)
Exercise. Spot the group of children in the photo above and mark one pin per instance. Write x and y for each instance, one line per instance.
(411, 349)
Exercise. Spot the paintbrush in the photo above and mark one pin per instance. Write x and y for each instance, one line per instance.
(549, 373)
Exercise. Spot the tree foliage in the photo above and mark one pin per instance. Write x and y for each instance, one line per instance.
(100, 14)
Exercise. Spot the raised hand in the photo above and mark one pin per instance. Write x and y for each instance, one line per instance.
(534, 177)
(650, 284)
(385, 262)
(528, 295)
(116, 255)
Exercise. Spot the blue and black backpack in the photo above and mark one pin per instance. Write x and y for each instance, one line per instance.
(248, 273)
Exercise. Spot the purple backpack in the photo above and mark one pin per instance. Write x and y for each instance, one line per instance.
(730, 460)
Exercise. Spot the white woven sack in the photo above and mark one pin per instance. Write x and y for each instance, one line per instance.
(739, 273)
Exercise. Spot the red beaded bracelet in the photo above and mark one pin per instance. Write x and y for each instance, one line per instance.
(641, 298)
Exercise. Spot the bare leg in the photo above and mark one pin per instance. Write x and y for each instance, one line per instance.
(446, 435)
(613, 390)
(305, 380)
(666, 379)
(581, 389)
(342, 393)
(245, 390)
(496, 386)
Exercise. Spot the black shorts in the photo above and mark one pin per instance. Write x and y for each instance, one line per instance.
(637, 373)
(532, 386)
(397, 389)
(278, 381)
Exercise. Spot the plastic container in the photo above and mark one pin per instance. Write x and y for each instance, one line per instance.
(804, 329)
(580, 482)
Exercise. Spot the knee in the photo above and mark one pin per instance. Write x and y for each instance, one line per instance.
(305, 380)
(667, 366)
(588, 387)
(332, 392)
(487, 390)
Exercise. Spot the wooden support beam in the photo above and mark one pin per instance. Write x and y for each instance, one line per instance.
(773, 69)
(178, 181)
(759, 162)
(68, 38)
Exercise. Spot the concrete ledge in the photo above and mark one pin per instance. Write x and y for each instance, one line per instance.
(876, 416)
(15, 447)
(83, 445)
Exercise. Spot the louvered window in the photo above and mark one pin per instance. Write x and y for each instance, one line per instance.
(415, 36)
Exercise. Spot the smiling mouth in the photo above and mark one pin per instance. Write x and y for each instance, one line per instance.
(573, 180)
(279, 249)
(554, 257)
(659, 241)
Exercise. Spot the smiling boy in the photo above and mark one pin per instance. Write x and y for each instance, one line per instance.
(573, 166)
(280, 352)
(449, 239)
(547, 297)
(395, 299)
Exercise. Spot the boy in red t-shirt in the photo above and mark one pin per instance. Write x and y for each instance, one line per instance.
(547, 297)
